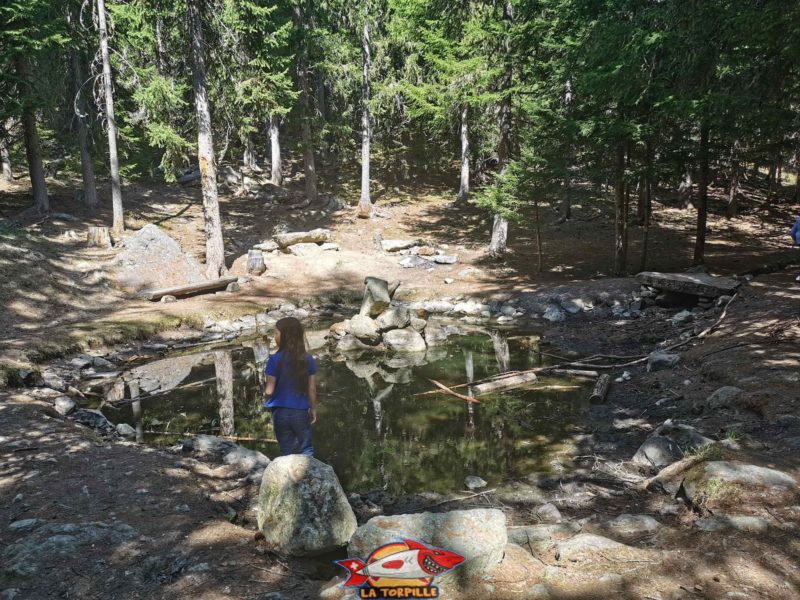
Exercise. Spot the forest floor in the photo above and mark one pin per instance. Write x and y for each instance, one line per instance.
(123, 521)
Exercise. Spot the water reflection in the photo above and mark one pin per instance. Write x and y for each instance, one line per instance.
(373, 426)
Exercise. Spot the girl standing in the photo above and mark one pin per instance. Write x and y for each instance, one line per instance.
(291, 391)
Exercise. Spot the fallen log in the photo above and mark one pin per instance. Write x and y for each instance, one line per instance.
(505, 383)
(192, 288)
(573, 373)
(600, 389)
(447, 390)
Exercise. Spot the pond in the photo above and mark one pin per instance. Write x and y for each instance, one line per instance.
(373, 427)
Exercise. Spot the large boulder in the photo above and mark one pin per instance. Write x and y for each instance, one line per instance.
(695, 284)
(478, 535)
(377, 297)
(395, 317)
(302, 508)
(404, 340)
(364, 329)
(657, 452)
(315, 236)
(151, 259)
(729, 484)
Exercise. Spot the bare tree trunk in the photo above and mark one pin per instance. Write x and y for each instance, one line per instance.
(276, 167)
(566, 211)
(539, 255)
(463, 189)
(502, 354)
(648, 201)
(223, 369)
(685, 187)
(702, 197)
(499, 239)
(249, 157)
(621, 217)
(5, 156)
(215, 250)
(309, 167)
(33, 150)
(87, 168)
(118, 224)
(162, 55)
(733, 192)
(364, 201)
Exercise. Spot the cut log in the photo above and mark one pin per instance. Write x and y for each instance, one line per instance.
(574, 373)
(315, 236)
(505, 383)
(98, 237)
(192, 288)
(255, 262)
(600, 390)
(695, 284)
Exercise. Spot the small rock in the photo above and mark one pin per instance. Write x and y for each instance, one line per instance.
(418, 324)
(631, 526)
(53, 381)
(473, 482)
(404, 340)
(657, 452)
(448, 280)
(444, 259)
(126, 430)
(64, 405)
(410, 262)
(748, 523)
(182, 508)
(304, 249)
(167, 298)
(9, 594)
(93, 418)
(396, 317)
(554, 314)
(397, 245)
(721, 397)
(24, 524)
(548, 513)
(585, 543)
(682, 317)
(657, 361)
(570, 306)
(233, 287)
(364, 329)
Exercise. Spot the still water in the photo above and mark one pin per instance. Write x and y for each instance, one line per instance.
(373, 427)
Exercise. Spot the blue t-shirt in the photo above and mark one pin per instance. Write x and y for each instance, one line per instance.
(795, 231)
(285, 394)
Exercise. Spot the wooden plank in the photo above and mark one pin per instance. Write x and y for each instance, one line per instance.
(192, 288)
(505, 383)
(600, 389)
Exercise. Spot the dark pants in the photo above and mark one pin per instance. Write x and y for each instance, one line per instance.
(293, 428)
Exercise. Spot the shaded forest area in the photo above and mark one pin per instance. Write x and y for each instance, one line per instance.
(513, 103)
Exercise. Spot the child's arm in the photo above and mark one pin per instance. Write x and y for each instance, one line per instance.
(269, 389)
(312, 398)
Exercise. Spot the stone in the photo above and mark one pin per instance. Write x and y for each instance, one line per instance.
(315, 236)
(478, 535)
(226, 451)
(418, 324)
(53, 381)
(473, 482)
(350, 343)
(632, 526)
(304, 249)
(182, 508)
(657, 452)
(695, 284)
(151, 259)
(435, 334)
(554, 314)
(126, 430)
(233, 286)
(302, 508)
(747, 523)
(364, 329)
(723, 300)
(404, 340)
(570, 306)
(166, 298)
(37, 550)
(682, 317)
(548, 513)
(395, 317)
(397, 245)
(445, 259)
(267, 246)
(583, 544)
(94, 419)
(338, 330)
(721, 397)
(25, 524)
(329, 247)
(64, 405)
(508, 310)
(658, 361)
(448, 280)
(411, 262)
(377, 297)
(525, 535)
(743, 475)
(685, 436)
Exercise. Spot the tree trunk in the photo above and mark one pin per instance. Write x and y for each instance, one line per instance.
(276, 168)
(215, 250)
(223, 369)
(499, 239)
(249, 159)
(81, 112)
(5, 157)
(33, 150)
(702, 198)
(463, 189)
(733, 192)
(309, 167)
(116, 186)
(648, 201)
(621, 218)
(162, 55)
(364, 202)
(566, 211)
(98, 237)
(539, 255)
(685, 187)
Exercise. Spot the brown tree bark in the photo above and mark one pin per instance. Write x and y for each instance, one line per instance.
(118, 224)
(223, 369)
(5, 155)
(215, 250)
(81, 113)
(463, 188)
(33, 149)
(620, 215)
(702, 197)
(276, 165)
(648, 202)
(309, 166)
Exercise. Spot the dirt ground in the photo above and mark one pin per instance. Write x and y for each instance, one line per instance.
(123, 521)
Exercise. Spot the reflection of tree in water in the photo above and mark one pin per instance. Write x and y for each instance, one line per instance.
(136, 409)
(469, 367)
(223, 367)
(501, 351)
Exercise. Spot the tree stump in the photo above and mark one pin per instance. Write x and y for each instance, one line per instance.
(600, 389)
(99, 237)
(255, 262)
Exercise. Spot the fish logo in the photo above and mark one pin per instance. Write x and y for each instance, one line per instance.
(403, 569)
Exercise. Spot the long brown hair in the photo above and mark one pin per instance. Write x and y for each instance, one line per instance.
(293, 347)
